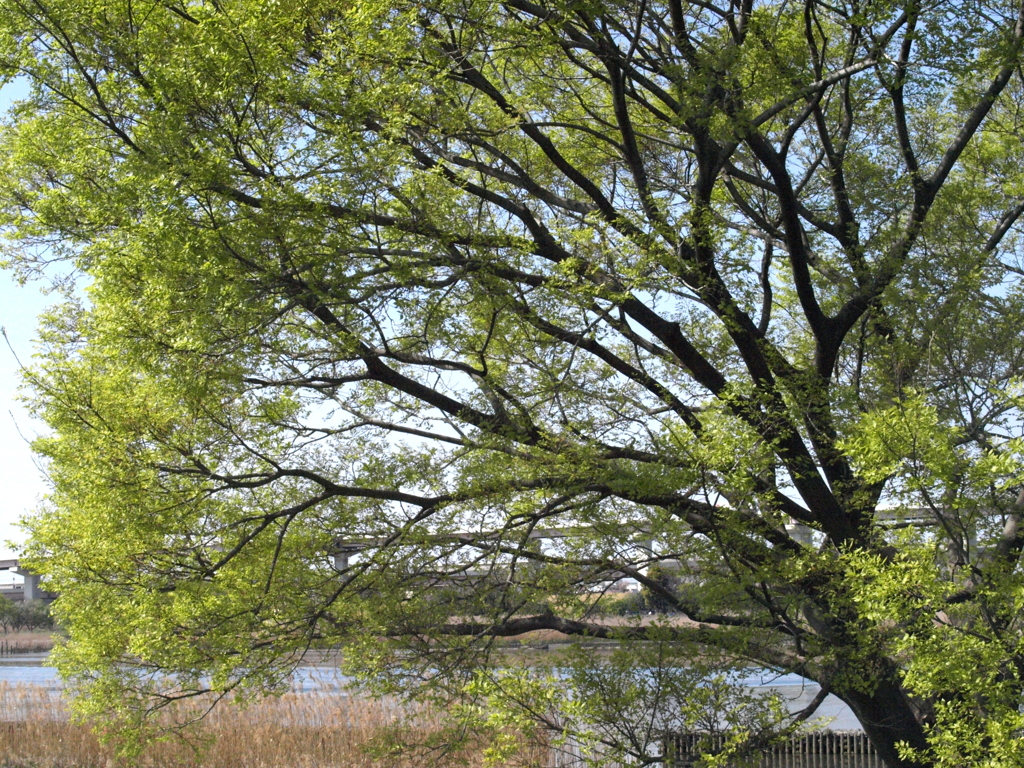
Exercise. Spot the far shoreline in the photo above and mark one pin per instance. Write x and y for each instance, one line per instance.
(28, 641)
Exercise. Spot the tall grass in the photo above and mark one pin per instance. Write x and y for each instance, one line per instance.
(306, 730)
(26, 641)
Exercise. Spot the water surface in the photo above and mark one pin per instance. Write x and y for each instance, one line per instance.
(32, 669)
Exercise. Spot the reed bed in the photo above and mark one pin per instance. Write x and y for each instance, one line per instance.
(28, 641)
(297, 730)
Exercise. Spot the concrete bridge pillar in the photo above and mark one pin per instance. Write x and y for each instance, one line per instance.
(800, 532)
(342, 554)
(30, 590)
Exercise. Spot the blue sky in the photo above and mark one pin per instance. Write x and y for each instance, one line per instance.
(21, 480)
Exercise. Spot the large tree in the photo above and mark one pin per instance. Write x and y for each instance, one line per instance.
(413, 325)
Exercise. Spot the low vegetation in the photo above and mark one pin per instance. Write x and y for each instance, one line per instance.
(293, 731)
(27, 641)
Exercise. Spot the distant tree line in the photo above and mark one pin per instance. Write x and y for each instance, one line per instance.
(30, 614)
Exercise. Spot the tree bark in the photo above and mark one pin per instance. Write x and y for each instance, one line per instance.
(888, 719)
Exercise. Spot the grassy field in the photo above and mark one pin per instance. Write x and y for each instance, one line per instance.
(294, 731)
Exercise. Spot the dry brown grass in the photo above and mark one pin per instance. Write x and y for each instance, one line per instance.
(294, 731)
(28, 641)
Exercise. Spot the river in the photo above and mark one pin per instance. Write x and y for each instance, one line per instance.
(32, 669)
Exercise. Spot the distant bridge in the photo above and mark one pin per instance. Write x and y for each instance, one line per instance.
(29, 590)
(345, 548)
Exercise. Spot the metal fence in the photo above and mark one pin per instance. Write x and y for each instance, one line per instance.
(823, 749)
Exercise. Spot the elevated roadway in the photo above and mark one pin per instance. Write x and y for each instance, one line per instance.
(29, 589)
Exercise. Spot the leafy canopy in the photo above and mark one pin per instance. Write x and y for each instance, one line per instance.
(414, 326)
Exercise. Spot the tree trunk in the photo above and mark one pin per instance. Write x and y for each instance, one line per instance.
(888, 718)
